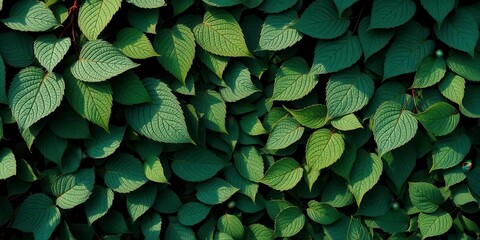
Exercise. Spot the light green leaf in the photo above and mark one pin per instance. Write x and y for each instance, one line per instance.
(463, 65)
(399, 164)
(231, 225)
(389, 91)
(365, 174)
(92, 101)
(293, 80)
(222, 3)
(147, 3)
(335, 55)
(323, 149)
(245, 186)
(34, 94)
(30, 16)
(373, 40)
(393, 126)
(285, 133)
(214, 110)
(283, 175)
(407, 50)
(450, 151)
(274, 6)
(144, 20)
(321, 20)
(239, 84)
(249, 163)
(192, 213)
(134, 44)
(251, 125)
(214, 62)
(434, 224)
(37, 214)
(215, 191)
(438, 9)
(322, 213)
(176, 47)
(392, 13)
(162, 119)
(471, 102)
(453, 176)
(425, 196)
(258, 231)
(129, 90)
(16, 48)
(73, 189)
(94, 15)
(124, 173)
(439, 119)
(348, 91)
(102, 143)
(151, 225)
(50, 50)
(459, 31)
(346, 123)
(430, 71)
(277, 31)
(452, 87)
(8, 164)
(154, 170)
(99, 61)
(313, 116)
(196, 164)
(139, 201)
(289, 222)
(220, 34)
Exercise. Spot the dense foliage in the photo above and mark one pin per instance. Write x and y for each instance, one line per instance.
(239, 119)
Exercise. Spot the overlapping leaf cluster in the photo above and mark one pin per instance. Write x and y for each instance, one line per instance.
(239, 119)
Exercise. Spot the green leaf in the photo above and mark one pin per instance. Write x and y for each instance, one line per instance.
(124, 173)
(114, 223)
(452, 87)
(134, 44)
(231, 225)
(8, 164)
(51, 146)
(463, 65)
(342, 5)
(434, 224)
(393, 126)
(453, 176)
(153, 169)
(162, 119)
(176, 47)
(278, 32)
(274, 6)
(289, 222)
(372, 40)
(471, 102)
(450, 151)
(430, 71)
(73, 189)
(343, 166)
(151, 225)
(37, 214)
(394, 221)
(50, 50)
(321, 20)
(293, 80)
(313, 116)
(425, 196)
(376, 202)
(129, 90)
(34, 94)
(214, 110)
(390, 14)
(335, 55)
(438, 9)
(283, 175)
(285, 133)
(322, 213)
(30, 16)
(323, 149)
(215, 191)
(196, 164)
(92, 101)
(365, 174)
(407, 50)
(258, 231)
(3, 81)
(251, 125)
(220, 34)
(249, 163)
(167, 202)
(144, 20)
(245, 186)
(346, 123)
(222, 3)
(213, 62)
(439, 119)
(99, 61)
(139, 201)
(177, 231)
(399, 164)
(94, 15)
(16, 48)
(102, 143)
(147, 3)
(192, 213)
(459, 31)
(348, 91)
(239, 84)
